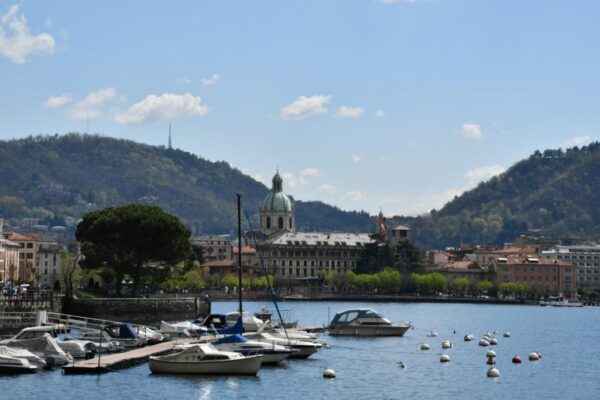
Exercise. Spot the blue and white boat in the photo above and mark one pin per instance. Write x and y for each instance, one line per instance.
(272, 353)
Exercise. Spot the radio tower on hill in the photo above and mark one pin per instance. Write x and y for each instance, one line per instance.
(170, 145)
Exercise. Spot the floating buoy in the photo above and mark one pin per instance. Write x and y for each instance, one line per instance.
(491, 361)
(446, 344)
(534, 356)
(506, 334)
(493, 373)
(484, 343)
(401, 364)
(493, 341)
(424, 346)
(328, 373)
(516, 360)
(445, 358)
(490, 353)
(468, 338)
(433, 334)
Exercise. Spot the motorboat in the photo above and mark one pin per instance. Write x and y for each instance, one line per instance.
(250, 322)
(560, 301)
(272, 353)
(304, 348)
(206, 359)
(102, 340)
(34, 360)
(126, 335)
(15, 365)
(151, 335)
(45, 347)
(364, 322)
(76, 348)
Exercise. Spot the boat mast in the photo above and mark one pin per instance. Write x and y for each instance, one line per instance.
(239, 210)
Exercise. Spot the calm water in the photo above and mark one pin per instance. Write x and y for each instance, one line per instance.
(367, 368)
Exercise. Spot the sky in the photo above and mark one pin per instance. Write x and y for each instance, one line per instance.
(397, 105)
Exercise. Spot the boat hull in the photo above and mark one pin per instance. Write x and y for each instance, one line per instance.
(243, 366)
(363, 330)
(17, 369)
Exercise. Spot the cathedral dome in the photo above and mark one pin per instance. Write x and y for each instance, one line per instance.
(277, 200)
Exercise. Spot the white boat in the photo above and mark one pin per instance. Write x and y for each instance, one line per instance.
(250, 322)
(304, 348)
(205, 359)
(34, 360)
(560, 301)
(44, 347)
(272, 353)
(14, 365)
(364, 322)
(76, 348)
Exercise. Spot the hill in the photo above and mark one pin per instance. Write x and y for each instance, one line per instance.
(51, 177)
(554, 193)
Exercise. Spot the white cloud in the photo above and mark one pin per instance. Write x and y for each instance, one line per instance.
(57, 101)
(214, 78)
(16, 42)
(474, 176)
(327, 188)
(310, 172)
(579, 140)
(355, 158)
(304, 106)
(161, 108)
(183, 80)
(355, 195)
(379, 114)
(471, 131)
(349, 112)
(93, 104)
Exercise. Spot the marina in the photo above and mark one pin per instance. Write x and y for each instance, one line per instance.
(382, 367)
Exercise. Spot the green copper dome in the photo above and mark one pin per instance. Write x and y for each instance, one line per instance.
(277, 201)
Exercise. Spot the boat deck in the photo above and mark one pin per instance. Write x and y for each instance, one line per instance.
(113, 362)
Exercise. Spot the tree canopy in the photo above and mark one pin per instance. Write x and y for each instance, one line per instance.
(135, 240)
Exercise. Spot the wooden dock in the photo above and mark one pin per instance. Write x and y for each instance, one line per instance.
(113, 362)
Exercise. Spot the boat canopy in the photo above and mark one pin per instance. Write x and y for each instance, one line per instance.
(348, 316)
(231, 339)
(121, 331)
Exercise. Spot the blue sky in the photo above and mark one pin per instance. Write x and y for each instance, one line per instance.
(360, 103)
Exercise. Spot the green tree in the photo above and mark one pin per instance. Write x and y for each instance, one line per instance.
(485, 286)
(137, 240)
(460, 285)
(408, 257)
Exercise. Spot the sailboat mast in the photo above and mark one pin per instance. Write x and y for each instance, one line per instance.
(239, 205)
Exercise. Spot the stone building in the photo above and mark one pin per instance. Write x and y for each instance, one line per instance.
(217, 253)
(298, 256)
(587, 260)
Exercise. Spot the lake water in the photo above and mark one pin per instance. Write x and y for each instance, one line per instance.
(367, 368)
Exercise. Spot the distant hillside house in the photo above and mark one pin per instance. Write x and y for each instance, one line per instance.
(301, 256)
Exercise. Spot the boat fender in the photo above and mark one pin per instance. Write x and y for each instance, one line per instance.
(445, 358)
(493, 373)
(328, 373)
(516, 360)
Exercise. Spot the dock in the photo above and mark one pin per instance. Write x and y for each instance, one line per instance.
(114, 362)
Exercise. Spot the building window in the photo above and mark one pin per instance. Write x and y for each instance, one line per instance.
(280, 223)
(268, 222)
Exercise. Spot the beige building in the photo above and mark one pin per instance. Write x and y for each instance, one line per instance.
(48, 263)
(587, 260)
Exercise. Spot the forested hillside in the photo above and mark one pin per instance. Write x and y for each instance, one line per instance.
(552, 193)
(51, 177)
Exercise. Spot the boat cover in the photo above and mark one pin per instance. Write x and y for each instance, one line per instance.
(45, 347)
(231, 339)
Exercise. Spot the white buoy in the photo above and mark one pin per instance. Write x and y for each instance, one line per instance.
(328, 373)
(433, 334)
(424, 346)
(490, 353)
(469, 338)
(446, 344)
(506, 334)
(484, 343)
(445, 358)
(493, 373)
(493, 341)
(534, 356)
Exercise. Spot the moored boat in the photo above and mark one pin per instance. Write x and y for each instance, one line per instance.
(364, 322)
(272, 353)
(206, 359)
(560, 301)
(15, 365)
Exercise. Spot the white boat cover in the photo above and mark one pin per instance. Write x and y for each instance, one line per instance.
(44, 347)
(6, 351)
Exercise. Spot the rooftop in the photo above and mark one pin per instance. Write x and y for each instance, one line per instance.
(321, 239)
